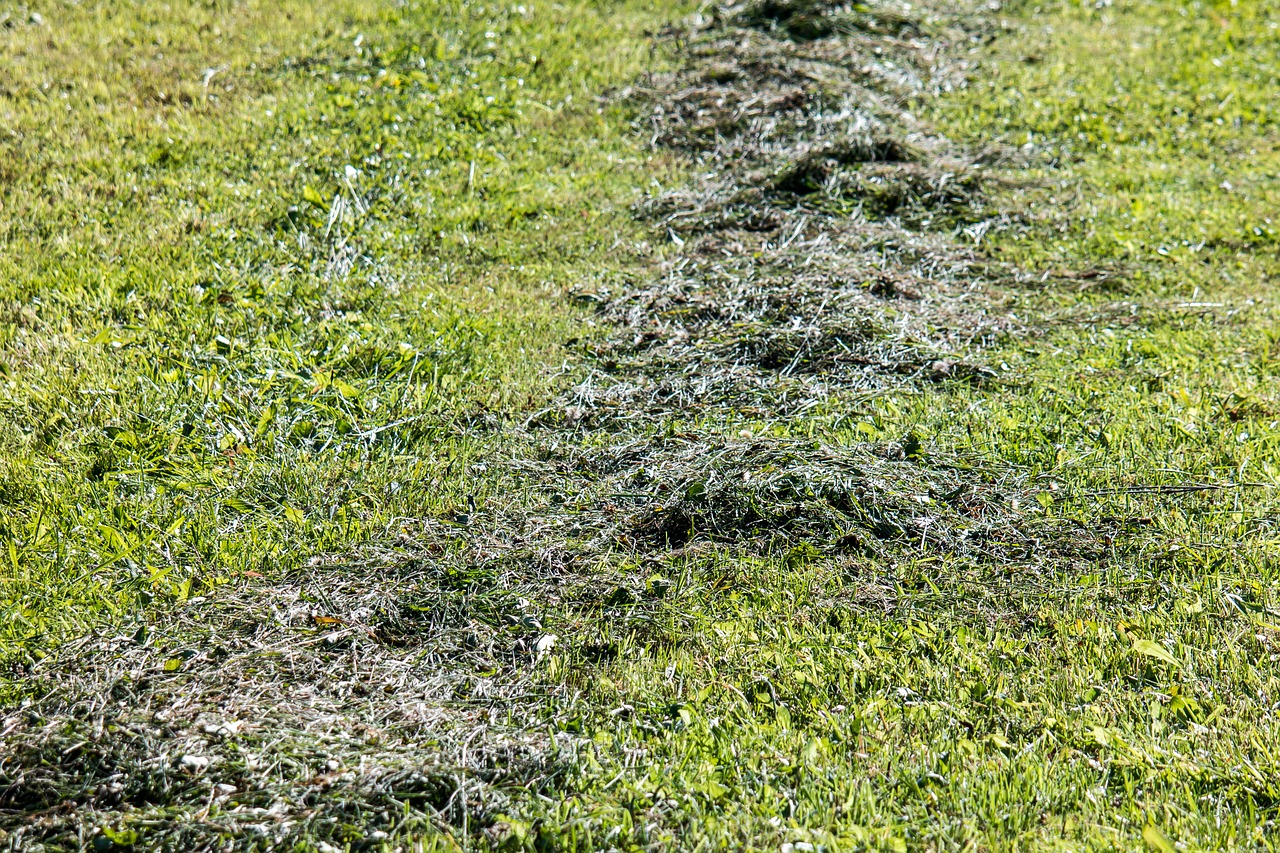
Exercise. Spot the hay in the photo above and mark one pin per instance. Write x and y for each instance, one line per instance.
(811, 263)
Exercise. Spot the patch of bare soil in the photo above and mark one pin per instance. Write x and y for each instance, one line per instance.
(816, 257)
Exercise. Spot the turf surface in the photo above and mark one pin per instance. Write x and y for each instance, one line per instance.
(406, 446)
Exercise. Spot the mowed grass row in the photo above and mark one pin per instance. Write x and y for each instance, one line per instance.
(269, 272)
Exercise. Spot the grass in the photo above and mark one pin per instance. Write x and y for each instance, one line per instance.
(257, 357)
(257, 257)
(940, 704)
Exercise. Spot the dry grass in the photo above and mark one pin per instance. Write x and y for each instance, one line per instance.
(815, 256)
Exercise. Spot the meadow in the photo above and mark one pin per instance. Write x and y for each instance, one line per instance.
(798, 426)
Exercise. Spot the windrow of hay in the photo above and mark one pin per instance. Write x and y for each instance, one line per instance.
(817, 254)
(396, 690)
(322, 708)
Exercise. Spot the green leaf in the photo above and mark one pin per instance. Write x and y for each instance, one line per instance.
(1154, 650)
(120, 837)
(172, 664)
(314, 197)
(713, 789)
(1157, 840)
(815, 750)
(238, 504)
(115, 539)
(265, 421)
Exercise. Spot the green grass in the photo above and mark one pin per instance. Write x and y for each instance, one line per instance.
(267, 265)
(221, 354)
(1068, 703)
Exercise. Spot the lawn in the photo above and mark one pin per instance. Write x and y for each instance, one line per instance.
(597, 426)
(263, 265)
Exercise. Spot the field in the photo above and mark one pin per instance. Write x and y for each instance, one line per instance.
(607, 425)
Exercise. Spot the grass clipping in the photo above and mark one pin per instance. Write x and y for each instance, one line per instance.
(397, 691)
(815, 250)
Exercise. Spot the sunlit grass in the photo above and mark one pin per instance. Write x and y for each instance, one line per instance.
(1104, 703)
(264, 266)
(273, 274)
